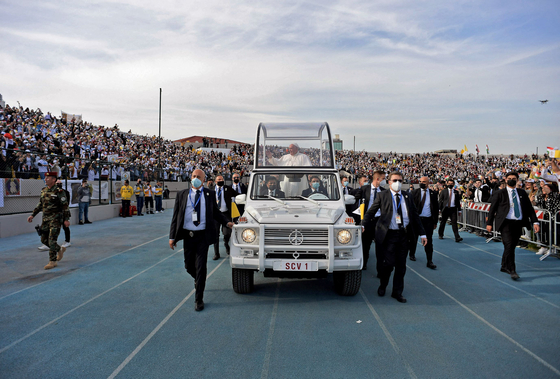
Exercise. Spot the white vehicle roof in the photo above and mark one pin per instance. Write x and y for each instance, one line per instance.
(294, 145)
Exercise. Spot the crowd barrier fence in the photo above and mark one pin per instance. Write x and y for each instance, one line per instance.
(474, 216)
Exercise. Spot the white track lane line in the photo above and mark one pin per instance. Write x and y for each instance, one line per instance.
(101, 260)
(389, 336)
(498, 280)
(266, 364)
(157, 328)
(529, 352)
(84, 303)
(500, 256)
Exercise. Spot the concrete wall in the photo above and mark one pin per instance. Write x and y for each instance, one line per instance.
(13, 225)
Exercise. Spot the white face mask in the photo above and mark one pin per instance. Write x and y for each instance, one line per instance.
(383, 183)
(396, 186)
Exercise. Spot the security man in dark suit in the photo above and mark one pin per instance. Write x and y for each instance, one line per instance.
(511, 209)
(271, 188)
(224, 196)
(193, 221)
(449, 204)
(315, 187)
(399, 220)
(367, 195)
(426, 202)
(240, 188)
(347, 190)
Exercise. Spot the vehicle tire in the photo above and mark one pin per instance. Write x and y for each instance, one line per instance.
(347, 283)
(243, 280)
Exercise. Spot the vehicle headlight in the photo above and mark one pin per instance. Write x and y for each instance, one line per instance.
(248, 235)
(344, 236)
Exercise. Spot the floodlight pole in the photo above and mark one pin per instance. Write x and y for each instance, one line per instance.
(159, 155)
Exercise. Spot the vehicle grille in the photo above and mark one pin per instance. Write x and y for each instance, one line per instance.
(296, 237)
(300, 254)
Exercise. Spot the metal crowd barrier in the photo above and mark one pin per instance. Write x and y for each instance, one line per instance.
(474, 216)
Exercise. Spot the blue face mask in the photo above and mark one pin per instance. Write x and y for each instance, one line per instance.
(315, 185)
(345, 184)
(196, 182)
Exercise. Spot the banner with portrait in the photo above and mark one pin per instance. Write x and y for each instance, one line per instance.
(12, 187)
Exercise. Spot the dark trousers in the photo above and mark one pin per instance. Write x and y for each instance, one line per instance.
(449, 213)
(196, 255)
(393, 251)
(511, 232)
(66, 233)
(149, 204)
(139, 204)
(368, 236)
(428, 224)
(125, 208)
(225, 231)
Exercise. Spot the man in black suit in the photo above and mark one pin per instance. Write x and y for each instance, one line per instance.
(449, 203)
(511, 209)
(224, 196)
(193, 221)
(241, 189)
(426, 203)
(271, 188)
(481, 193)
(399, 220)
(315, 187)
(347, 190)
(366, 195)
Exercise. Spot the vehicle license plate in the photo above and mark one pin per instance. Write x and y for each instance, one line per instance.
(296, 266)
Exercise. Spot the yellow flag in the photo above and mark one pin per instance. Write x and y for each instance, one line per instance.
(234, 210)
(462, 151)
(466, 149)
(362, 210)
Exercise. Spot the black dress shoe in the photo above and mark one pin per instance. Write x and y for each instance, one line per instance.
(440, 237)
(412, 258)
(514, 275)
(87, 222)
(216, 257)
(381, 291)
(399, 298)
(504, 270)
(458, 239)
(199, 305)
(431, 265)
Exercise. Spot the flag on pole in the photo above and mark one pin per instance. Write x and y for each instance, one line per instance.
(477, 149)
(462, 151)
(553, 152)
(234, 210)
(466, 150)
(487, 150)
(360, 211)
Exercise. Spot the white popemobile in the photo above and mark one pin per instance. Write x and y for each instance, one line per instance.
(295, 222)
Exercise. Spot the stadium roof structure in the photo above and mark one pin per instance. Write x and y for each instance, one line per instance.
(215, 140)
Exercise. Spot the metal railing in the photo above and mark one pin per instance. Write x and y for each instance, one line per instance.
(474, 216)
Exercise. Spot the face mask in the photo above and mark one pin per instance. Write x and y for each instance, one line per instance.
(450, 186)
(512, 182)
(196, 182)
(220, 183)
(272, 187)
(345, 184)
(383, 182)
(236, 180)
(366, 183)
(396, 186)
(423, 185)
(315, 185)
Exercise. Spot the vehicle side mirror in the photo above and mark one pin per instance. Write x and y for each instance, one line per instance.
(348, 199)
(240, 199)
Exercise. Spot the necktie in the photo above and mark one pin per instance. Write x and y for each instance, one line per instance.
(238, 189)
(399, 210)
(516, 211)
(449, 203)
(197, 208)
(220, 198)
(423, 201)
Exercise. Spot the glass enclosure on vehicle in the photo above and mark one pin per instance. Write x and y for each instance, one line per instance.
(295, 186)
(295, 145)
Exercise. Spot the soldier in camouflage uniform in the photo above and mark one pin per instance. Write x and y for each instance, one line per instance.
(54, 205)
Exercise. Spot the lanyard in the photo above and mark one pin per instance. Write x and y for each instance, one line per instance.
(192, 202)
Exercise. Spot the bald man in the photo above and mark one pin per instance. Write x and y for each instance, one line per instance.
(426, 202)
(193, 221)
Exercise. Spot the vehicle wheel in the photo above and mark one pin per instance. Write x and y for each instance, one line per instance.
(347, 283)
(243, 280)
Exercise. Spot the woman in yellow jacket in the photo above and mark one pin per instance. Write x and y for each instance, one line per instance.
(126, 194)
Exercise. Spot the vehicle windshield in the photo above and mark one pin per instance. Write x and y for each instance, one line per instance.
(295, 186)
(295, 145)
